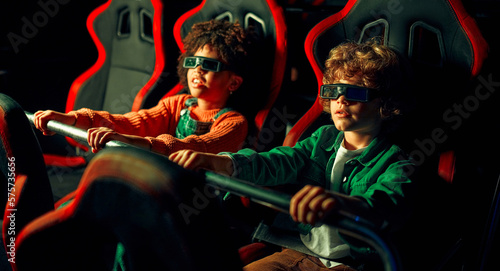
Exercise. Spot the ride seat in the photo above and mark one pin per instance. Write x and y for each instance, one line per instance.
(131, 59)
(26, 192)
(159, 212)
(434, 35)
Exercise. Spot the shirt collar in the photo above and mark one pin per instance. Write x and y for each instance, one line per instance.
(374, 149)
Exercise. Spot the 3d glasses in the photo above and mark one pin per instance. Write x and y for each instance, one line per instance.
(350, 92)
(207, 64)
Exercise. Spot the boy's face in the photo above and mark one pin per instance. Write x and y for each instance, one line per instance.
(355, 117)
(213, 88)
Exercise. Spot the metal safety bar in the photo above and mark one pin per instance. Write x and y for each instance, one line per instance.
(347, 223)
(72, 132)
(267, 197)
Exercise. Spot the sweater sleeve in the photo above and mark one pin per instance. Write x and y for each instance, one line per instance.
(227, 133)
(160, 119)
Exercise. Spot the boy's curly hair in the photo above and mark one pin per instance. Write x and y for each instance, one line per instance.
(380, 68)
(229, 39)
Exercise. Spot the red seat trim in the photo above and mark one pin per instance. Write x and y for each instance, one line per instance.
(64, 161)
(178, 24)
(298, 129)
(315, 111)
(278, 69)
(65, 199)
(159, 55)
(176, 89)
(446, 167)
(478, 43)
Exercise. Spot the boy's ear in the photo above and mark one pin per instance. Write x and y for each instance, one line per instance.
(236, 82)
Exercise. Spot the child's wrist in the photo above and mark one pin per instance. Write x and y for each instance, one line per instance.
(74, 117)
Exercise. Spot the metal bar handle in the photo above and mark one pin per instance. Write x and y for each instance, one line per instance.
(73, 132)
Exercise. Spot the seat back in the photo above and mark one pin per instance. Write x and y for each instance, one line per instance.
(26, 190)
(267, 20)
(440, 39)
(128, 37)
(131, 71)
(163, 216)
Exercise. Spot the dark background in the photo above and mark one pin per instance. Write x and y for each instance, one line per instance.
(39, 72)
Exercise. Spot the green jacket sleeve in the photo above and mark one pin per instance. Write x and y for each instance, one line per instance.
(285, 165)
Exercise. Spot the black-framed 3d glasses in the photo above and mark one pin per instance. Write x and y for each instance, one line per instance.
(207, 64)
(350, 92)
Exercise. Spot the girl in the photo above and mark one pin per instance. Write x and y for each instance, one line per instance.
(212, 68)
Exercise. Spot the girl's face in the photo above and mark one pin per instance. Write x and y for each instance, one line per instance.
(212, 88)
(356, 117)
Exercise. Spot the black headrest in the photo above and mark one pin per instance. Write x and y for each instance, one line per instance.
(434, 33)
(255, 13)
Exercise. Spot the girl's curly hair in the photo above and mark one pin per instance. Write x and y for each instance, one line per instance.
(230, 40)
(380, 68)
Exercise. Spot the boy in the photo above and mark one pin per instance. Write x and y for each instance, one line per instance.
(212, 67)
(354, 158)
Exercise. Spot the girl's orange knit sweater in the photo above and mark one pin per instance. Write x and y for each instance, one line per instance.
(158, 125)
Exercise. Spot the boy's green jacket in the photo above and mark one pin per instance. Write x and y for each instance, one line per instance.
(378, 175)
